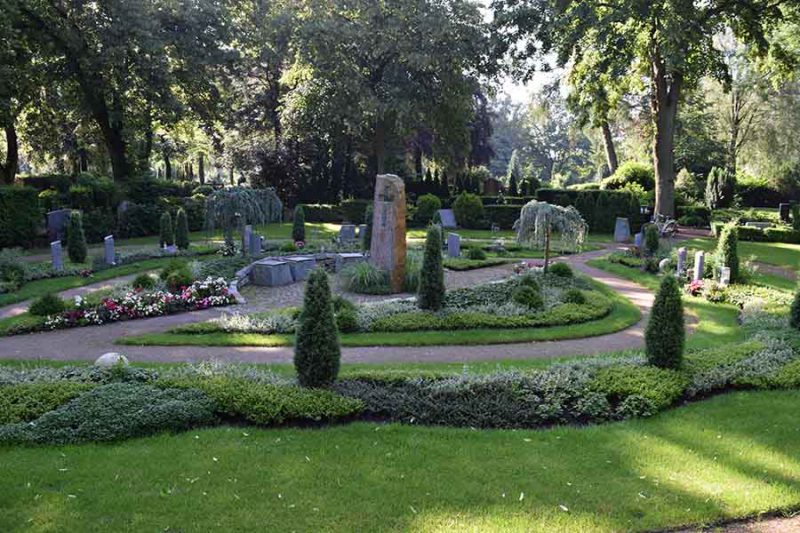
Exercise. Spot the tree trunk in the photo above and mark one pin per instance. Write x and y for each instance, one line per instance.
(547, 247)
(664, 107)
(201, 168)
(83, 160)
(9, 168)
(167, 168)
(611, 152)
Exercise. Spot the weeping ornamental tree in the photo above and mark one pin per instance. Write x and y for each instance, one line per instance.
(232, 208)
(539, 222)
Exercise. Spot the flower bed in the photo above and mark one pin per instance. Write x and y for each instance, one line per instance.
(211, 292)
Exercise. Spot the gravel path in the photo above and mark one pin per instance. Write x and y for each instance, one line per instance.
(90, 342)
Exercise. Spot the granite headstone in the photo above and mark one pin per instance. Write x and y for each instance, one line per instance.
(388, 246)
(109, 255)
(453, 245)
(57, 256)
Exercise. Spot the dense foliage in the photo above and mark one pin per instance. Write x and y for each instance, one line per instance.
(181, 229)
(665, 334)
(727, 253)
(76, 238)
(317, 353)
(299, 224)
(431, 290)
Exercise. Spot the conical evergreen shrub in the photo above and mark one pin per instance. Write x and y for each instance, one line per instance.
(317, 353)
(76, 238)
(651, 240)
(431, 281)
(182, 229)
(794, 314)
(727, 253)
(166, 233)
(665, 334)
(299, 224)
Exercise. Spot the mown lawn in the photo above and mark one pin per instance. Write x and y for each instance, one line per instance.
(732, 456)
(771, 253)
(623, 314)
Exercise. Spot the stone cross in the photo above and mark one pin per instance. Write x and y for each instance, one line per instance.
(388, 246)
(453, 245)
(622, 230)
(108, 250)
(699, 264)
(681, 261)
(55, 253)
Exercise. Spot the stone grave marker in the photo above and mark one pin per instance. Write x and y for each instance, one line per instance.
(109, 255)
(346, 259)
(57, 256)
(453, 245)
(622, 230)
(57, 224)
(784, 210)
(699, 265)
(388, 247)
(347, 233)
(255, 244)
(682, 254)
(637, 239)
(248, 232)
(663, 264)
(271, 273)
(724, 276)
(301, 266)
(447, 218)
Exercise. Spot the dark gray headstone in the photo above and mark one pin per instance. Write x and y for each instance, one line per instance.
(57, 256)
(682, 254)
(109, 255)
(271, 273)
(784, 211)
(347, 233)
(622, 230)
(301, 266)
(57, 224)
(248, 231)
(447, 218)
(699, 265)
(637, 239)
(453, 245)
(255, 245)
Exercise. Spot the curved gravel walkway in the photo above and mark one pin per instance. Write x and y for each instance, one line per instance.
(88, 343)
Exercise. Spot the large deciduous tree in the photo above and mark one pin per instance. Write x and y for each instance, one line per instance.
(670, 42)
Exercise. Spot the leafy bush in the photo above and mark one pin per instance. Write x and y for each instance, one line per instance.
(468, 210)
(476, 254)
(562, 270)
(661, 387)
(365, 278)
(299, 224)
(727, 253)
(166, 233)
(179, 279)
(47, 305)
(529, 281)
(181, 229)
(317, 353)
(12, 268)
(20, 217)
(528, 297)
(27, 401)
(574, 296)
(651, 240)
(431, 283)
(665, 333)
(143, 281)
(347, 320)
(631, 172)
(720, 188)
(113, 412)
(269, 404)
(427, 206)
(76, 238)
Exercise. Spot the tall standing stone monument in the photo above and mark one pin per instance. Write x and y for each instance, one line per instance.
(388, 247)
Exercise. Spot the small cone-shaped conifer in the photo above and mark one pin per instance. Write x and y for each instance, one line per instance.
(166, 234)
(299, 224)
(794, 315)
(76, 238)
(181, 229)
(665, 333)
(431, 280)
(316, 352)
(728, 250)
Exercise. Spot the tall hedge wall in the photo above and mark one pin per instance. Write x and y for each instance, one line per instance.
(19, 216)
(599, 208)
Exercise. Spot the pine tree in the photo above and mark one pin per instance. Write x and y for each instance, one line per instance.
(431, 281)
(665, 333)
(299, 224)
(76, 238)
(727, 253)
(182, 229)
(317, 353)
(166, 233)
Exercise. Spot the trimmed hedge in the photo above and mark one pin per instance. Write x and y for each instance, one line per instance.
(503, 215)
(599, 208)
(349, 210)
(20, 217)
(783, 234)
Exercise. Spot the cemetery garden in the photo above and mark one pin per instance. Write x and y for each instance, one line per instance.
(388, 266)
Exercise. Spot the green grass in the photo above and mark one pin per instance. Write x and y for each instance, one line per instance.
(716, 323)
(731, 456)
(623, 314)
(771, 253)
(463, 263)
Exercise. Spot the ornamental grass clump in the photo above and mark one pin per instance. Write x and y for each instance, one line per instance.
(665, 333)
(76, 238)
(431, 281)
(182, 229)
(166, 233)
(317, 352)
(299, 224)
(727, 253)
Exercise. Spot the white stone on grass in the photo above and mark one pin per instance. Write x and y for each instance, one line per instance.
(110, 359)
